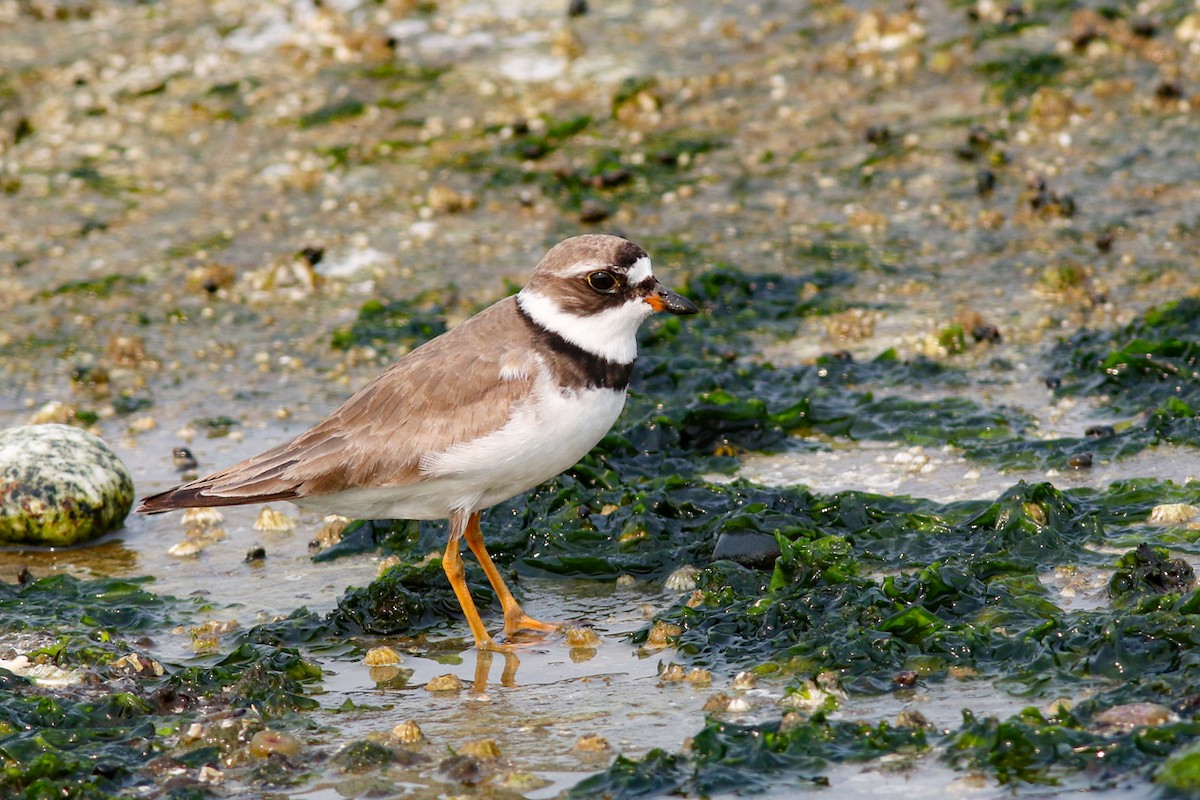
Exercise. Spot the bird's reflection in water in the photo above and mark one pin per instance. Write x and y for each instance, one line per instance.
(483, 668)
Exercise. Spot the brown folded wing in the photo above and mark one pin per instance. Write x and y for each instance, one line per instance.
(456, 388)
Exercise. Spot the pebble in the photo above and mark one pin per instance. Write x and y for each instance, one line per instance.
(744, 680)
(672, 673)
(381, 657)
(483, 749)
(408, 732)
(578, 636)
(271, 520)
(750, 549)
(661, 634)
(201, 518)
(60, 486)
(268, 743)
(445, 683)
(592, 743)
(717, 703)
(1132, 715)
(1172, 514)
(682, 579)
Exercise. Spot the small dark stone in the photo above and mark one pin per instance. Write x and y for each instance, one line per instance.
(845, 356)
(363, 756)
(611, 177)
(107, 769)
(462, 769)
(520, 127)
(986, 333)
(532, 151)
(22, 130)
(1100, 431)
(979, 138)
(1080, 461)
(313, 255)
(91, 224)
(168, 701)
(1053, 382)
(751, 549)
(256, 553)
(1013, 12)
(1098, 298)
(904, 679)
(985, 181)
(1169, 90)
(911, 718)
(183, 459)
(878, 134)
(966, 152)
(1085, 37)
(313, 546)
(1104, 242)
(25, 576)
(1187, 706)
(1143, 27)
(667, 158)
(577, 8)
(1148, 569)
(592, 211)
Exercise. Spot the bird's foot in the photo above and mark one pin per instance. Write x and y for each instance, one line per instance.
(518, 620)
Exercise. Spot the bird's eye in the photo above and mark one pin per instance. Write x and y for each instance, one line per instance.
(602, 281)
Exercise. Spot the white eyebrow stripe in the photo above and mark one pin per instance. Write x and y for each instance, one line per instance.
(639, 271)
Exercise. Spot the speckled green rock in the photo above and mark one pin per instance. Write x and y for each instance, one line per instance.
(59, 486)
(1181, 772)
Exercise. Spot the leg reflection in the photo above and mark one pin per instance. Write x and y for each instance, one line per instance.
(483, 667)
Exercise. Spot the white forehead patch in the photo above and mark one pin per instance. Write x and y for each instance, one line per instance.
(639, 271)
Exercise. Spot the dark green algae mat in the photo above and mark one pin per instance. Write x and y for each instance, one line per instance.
(867, 594)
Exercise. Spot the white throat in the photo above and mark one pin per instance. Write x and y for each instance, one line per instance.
(610, 334)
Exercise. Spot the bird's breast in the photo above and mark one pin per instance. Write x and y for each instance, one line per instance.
(545, 434)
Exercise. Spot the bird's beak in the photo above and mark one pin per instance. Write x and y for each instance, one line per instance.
(663, 299)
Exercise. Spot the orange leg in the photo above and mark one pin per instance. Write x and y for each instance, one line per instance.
(514, 618)
(453, 565)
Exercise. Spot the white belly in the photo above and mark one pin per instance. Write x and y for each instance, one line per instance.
(544, 437)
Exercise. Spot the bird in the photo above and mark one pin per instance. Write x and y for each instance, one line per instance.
(503, 402)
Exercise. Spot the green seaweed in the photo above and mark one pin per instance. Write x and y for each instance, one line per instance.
(1020, 73)
(106, 733)
(405, 322)
(867, 588)
(108, 605)
(217, 240)
(335, 111)
(1144, 364)
(101, 287)
(744, 759)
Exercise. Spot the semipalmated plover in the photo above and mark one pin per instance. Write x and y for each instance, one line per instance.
(489, 409)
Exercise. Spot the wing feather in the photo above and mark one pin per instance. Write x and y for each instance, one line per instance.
(456, 388)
